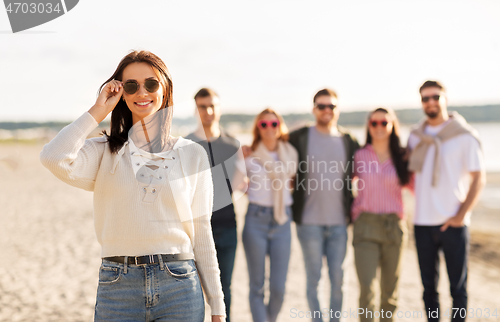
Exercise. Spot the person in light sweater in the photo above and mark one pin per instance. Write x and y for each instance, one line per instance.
(153, 198)
(271, 164)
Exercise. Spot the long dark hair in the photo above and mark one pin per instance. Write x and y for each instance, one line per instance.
(397, 151)
(121, 117)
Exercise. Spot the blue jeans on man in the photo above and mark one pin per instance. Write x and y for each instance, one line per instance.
(318, 241)
(225, 244)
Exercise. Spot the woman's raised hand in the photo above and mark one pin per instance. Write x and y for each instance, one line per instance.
(107, 100)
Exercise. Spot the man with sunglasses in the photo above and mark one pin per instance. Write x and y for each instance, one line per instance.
(323, 197)
(223, 151)
(449, 171)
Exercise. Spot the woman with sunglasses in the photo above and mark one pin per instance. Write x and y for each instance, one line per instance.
(152, 199)
(379, 233)
(270, 167)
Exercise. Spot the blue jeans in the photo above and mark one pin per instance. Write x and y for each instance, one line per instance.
(263, 236)
(225, 244)
(455, 245)
(171, 292)
(317, 241)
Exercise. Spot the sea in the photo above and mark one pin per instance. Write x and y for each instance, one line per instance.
(488, 132)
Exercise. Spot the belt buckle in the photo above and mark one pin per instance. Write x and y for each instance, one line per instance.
(135, 259)
(151, 260)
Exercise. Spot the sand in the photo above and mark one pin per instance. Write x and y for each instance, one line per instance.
(50, 256)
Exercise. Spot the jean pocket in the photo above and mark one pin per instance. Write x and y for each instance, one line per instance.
(252, 211)
(109, 275)
(181, 269)
(259, 213)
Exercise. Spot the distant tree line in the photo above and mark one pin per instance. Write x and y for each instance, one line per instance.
(474, 114)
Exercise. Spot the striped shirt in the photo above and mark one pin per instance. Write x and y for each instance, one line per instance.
(379, 190)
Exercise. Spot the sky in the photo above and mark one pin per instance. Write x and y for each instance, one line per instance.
(257, 54)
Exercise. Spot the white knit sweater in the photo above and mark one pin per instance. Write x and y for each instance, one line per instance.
(168, 216)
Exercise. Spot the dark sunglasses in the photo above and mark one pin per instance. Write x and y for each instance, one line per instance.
(132, 86)
(323, 106)
(425, 99)
(374, 123)
(273, 123)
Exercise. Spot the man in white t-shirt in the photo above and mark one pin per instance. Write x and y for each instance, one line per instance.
(449, 170)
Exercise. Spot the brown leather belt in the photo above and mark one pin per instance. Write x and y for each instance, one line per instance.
(150, 259)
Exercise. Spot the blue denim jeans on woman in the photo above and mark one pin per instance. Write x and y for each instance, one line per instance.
(168, 292)
(317, 241)
(263, 236)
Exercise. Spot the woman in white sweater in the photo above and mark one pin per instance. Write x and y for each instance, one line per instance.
(153, 199)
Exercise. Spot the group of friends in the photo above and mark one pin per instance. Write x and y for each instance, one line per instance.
(165, 219)
(311, 175)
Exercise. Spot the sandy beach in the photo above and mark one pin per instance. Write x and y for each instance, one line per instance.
(50, 256)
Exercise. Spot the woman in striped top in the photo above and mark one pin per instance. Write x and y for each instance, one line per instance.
(379, 238)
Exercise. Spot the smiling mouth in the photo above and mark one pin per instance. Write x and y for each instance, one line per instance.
(143, 104)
